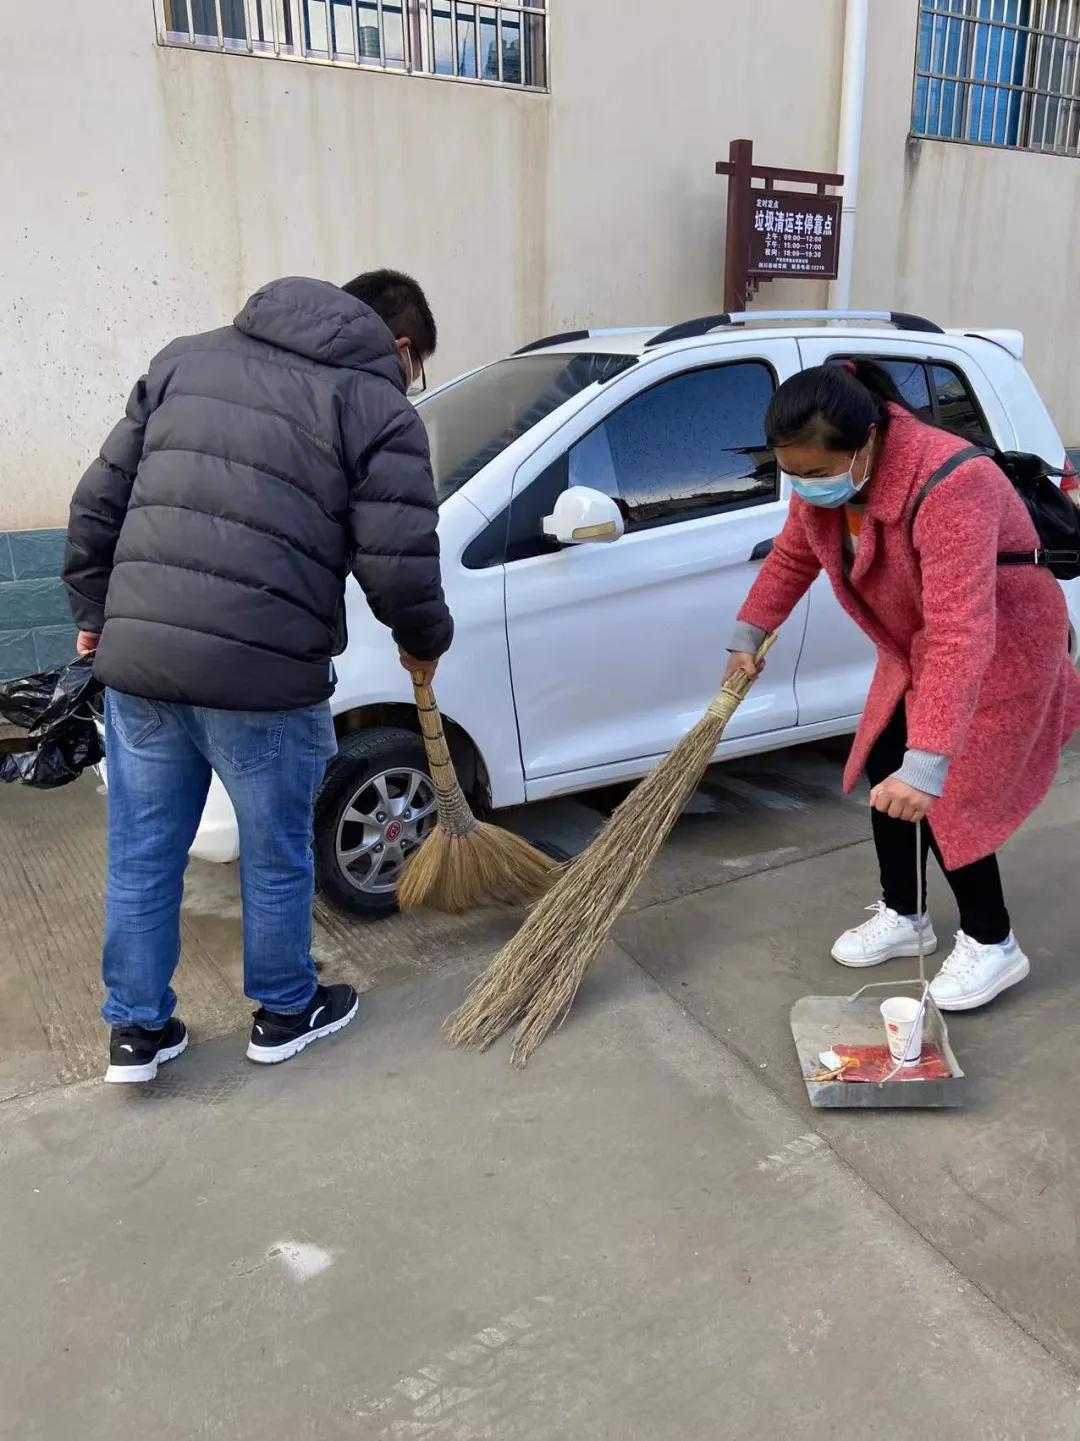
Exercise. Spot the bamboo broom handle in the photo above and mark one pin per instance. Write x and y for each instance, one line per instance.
(431, 728)
(454, 811)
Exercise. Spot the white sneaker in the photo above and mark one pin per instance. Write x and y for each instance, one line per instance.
(884, 936)
(975, 974)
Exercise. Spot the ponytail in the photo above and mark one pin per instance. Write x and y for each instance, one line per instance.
(834, 405)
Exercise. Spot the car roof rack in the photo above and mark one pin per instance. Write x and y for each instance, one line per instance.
(567, 336)
(690, 329)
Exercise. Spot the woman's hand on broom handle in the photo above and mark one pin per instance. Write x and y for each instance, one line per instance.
(743, 660)
(422, 671)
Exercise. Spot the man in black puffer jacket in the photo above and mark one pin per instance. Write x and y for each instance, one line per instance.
(208, 549)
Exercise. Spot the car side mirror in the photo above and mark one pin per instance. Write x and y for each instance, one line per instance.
(583, 516)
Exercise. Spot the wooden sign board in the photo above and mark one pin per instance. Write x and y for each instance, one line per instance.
(794, 235)
(775, 234)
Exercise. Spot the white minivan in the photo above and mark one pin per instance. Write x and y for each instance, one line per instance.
(579, 662)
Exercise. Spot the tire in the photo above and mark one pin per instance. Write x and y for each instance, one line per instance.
(358, 861)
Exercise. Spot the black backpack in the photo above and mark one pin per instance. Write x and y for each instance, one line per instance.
(1057, 520)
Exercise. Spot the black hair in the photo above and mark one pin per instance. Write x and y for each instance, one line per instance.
(834, 405)
(398, 299)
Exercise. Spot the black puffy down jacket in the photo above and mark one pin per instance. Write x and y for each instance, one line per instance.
(210, 542)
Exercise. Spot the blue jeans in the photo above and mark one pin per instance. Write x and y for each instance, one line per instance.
(160, 758)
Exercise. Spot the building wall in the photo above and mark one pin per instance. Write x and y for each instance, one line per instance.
(158, 187)
(966, 234)
(152, 189)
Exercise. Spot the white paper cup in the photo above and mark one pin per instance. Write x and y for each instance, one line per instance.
(903, 1027)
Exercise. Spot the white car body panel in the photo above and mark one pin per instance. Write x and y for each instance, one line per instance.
(635, 663)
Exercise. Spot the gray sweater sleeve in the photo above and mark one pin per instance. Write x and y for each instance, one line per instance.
(746, 638)
(924, 770)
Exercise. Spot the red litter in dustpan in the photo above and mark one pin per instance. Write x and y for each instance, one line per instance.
(876, 1064)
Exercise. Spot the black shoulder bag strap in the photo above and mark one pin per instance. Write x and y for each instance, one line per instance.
(943, 472)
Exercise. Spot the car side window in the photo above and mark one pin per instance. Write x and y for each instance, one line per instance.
(690, 446)
(955, 406)
(938, 393)
(909, 377)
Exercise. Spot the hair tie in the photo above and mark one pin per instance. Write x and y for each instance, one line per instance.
(849, 366)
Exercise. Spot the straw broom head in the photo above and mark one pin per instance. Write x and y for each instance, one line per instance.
(465, 863)
(533, 980)
(486, 867)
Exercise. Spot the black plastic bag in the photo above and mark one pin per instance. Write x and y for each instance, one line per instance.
(35, 701)
(57, 759)
(56, 711)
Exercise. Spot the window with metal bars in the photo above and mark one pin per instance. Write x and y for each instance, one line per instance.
(999, 72)
(497, 43)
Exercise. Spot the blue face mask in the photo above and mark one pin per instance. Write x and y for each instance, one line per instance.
(831, 491)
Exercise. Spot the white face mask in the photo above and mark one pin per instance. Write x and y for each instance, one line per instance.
(831, 491)
(415, 384)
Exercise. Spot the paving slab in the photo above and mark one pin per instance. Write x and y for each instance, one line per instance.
(386, 1239)
(749, 815)
(993, 1186)
(52, 869)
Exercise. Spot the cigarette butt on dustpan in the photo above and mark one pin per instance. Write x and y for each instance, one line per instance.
(465, 863)
(533, 980)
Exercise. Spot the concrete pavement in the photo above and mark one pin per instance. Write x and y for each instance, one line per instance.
(52, 861)
(637, 1240)
(647, 1235)
(993, 1186)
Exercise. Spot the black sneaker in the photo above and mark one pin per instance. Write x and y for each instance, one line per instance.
(275, 1037)
(135, 1053)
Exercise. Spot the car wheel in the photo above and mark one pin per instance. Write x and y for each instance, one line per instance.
(376, 806)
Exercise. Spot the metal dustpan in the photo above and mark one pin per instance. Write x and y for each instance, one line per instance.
(850, 1025)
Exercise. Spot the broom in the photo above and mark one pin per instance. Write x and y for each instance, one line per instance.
(465, 862)
(534, 978)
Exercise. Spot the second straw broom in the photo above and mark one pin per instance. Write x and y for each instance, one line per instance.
(533, 980)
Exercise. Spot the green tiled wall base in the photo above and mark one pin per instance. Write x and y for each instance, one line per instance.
(36, 632)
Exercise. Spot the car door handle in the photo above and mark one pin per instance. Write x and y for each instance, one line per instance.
(761, 550)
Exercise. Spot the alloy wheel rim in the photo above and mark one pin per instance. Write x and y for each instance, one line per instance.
(384, 822)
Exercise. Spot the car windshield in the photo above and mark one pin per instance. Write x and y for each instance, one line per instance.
(470, 423)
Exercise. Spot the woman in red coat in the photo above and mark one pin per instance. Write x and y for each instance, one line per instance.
(974, 694)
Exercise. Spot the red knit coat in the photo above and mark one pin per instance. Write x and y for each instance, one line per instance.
(978, 651)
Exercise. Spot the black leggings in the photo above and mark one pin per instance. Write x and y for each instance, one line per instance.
(977, 888)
